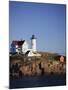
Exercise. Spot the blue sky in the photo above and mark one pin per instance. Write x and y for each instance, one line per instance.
(46, 21)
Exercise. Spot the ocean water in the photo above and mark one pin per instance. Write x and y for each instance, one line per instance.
(38, 81)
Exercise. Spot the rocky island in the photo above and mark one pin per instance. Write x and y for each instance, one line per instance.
(47, 64)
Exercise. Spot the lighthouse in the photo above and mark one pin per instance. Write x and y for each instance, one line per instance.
(33, 43)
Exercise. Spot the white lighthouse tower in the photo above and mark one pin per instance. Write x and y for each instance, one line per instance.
(33, 43)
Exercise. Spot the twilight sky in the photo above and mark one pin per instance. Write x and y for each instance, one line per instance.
(46, 21)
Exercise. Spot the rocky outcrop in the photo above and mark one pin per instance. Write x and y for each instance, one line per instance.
(37, 68)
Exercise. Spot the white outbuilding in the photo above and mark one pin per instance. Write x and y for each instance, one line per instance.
(22, 47)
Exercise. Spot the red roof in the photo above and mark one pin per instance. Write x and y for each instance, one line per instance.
(18, 42)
